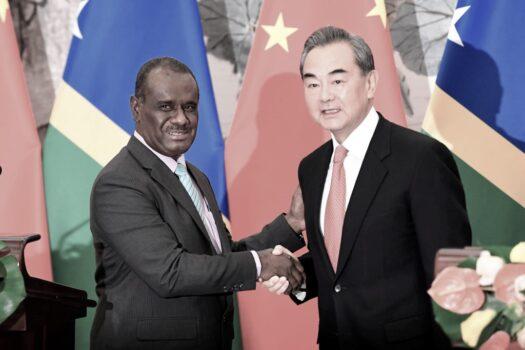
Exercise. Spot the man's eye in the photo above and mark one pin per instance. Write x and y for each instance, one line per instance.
(312, 85)
(338, 81)
(190, 108)
(165, 107)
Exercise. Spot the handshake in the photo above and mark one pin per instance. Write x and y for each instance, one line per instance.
(281, 271)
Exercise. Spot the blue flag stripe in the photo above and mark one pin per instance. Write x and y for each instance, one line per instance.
(118, 37)
(487, 73)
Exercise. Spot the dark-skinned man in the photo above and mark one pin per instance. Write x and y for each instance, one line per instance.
(166, 264)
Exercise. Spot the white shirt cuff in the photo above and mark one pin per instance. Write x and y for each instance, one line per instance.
(257, 262)
(300, 295)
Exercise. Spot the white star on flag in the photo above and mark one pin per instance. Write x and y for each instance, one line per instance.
(4, 6)
(278, 33)
(379, 10)
(75, 29)
(453, 34)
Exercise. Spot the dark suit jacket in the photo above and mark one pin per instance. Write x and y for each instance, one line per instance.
(160, 283)
(407, 203)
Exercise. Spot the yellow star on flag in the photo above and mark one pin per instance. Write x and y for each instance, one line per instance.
(379, 10)
(4, 5)
(278, 33)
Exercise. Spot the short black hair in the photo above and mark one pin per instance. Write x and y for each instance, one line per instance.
(168, 62)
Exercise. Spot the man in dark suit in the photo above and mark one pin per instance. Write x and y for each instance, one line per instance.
(166, 264)
(379, 201)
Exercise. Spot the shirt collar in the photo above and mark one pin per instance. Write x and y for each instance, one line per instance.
(170, 162)
(357, 142)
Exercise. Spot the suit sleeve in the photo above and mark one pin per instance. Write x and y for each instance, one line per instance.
(127, 220)
(276, 232)
(306, 259)
(438, 206)
(311, 280)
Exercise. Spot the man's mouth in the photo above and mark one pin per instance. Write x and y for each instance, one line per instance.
(176, 132)
(330, 111)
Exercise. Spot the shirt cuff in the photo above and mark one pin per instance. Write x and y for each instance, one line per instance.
(257, 262)
(300, 295)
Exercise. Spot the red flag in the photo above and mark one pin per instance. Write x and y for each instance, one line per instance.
(22, 206)
(272, 131)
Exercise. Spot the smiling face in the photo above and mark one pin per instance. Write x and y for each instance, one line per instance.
(167, 116)
(337, 93)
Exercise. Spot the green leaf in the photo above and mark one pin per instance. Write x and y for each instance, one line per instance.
(4, 249)
(502, 322)
(516, 327)
(492, 303)
(469, 263)
(449, 322)
(499, 323)
(501, 251)
(512, 312)
(12, 288)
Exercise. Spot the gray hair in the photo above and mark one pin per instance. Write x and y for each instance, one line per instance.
(173, 64)
(328, 35)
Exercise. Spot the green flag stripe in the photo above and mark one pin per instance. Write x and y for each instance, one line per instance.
(69, 174)
(495, 218)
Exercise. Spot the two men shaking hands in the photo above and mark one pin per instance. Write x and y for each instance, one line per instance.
(379, 201)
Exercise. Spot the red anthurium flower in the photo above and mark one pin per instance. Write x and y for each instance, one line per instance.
(504, 286)
(457, 290)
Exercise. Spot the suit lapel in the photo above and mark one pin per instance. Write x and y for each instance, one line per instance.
(318, 176)
(162, 174)
(369, 180)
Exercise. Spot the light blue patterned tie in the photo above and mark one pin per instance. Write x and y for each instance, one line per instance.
(182, 172)
(185, 179)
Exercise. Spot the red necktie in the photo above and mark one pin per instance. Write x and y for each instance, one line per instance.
(335, 207)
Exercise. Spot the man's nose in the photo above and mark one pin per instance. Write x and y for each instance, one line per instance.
(326, 93)
(177, 116)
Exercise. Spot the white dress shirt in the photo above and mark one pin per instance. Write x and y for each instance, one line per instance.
(357, 144)
(208, 220)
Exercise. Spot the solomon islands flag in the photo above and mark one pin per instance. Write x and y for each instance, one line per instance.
(478, 111)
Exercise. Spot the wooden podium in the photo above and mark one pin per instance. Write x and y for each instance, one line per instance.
(46, 317)
(446, 257)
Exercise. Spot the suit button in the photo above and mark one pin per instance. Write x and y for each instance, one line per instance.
(337, 288)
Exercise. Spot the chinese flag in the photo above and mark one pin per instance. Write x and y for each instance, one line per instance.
(22, 208)
(272, 132)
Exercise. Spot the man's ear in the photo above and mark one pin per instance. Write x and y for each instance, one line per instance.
(134, 104)
(372, 79)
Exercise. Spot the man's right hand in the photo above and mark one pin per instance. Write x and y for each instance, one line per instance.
(281, 265)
